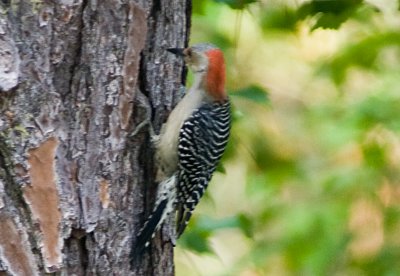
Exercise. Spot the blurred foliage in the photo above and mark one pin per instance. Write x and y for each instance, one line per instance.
(310, 182)
(330, 14)
(363, 53)
(253, 93)
(236, 4)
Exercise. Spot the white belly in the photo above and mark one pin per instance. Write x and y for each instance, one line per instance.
(167, 146)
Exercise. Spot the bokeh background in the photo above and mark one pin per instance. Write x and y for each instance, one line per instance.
(310, 182)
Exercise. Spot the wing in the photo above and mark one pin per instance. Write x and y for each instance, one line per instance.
(202, 141)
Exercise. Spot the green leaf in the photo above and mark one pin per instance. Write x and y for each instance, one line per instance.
(280, 17)
(196, 240)
(236, 4)
(374, 155)
(253, 93)
(329, 21)
(330, 13)
(328, 6)
(220, 168)
(246, 224)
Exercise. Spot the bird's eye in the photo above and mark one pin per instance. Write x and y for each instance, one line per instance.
(189, 52)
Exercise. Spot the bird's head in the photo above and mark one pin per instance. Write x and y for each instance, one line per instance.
(207, 62)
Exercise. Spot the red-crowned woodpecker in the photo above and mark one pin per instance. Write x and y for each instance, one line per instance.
(191, 142)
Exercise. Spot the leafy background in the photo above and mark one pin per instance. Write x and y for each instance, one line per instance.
(310, 181)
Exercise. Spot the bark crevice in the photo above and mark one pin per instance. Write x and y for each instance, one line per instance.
(75, 66)
(90, 72)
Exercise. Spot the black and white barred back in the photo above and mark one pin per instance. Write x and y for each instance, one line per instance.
(202, 141)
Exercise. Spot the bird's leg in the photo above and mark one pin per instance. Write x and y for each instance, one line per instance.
(143, 101)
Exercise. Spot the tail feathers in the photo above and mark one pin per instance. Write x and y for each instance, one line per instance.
(183, 221)
(164, 205)
(149, 229)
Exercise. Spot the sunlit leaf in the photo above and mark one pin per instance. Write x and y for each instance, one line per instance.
(198, 7)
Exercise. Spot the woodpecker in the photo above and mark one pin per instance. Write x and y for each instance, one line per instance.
(191, 142)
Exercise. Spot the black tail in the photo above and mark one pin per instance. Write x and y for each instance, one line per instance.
(148, 231)
(164, 205)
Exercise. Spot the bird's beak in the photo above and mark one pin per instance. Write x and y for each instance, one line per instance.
(176, 51)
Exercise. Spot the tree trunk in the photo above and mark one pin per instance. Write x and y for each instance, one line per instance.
(77, 79)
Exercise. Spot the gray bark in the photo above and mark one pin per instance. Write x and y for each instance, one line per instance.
(77, 78)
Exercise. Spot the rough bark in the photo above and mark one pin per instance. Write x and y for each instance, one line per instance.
(77, 79)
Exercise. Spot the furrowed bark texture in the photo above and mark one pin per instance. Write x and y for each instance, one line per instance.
(77, 78)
